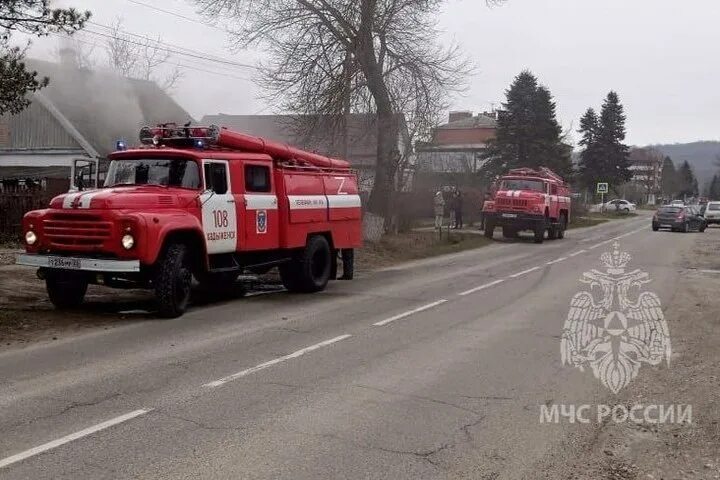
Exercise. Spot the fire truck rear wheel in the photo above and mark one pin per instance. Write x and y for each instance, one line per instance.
(489, 229)
(562, 227)
(173, 280)
(540, 233)
(66, 290)
(309, 271)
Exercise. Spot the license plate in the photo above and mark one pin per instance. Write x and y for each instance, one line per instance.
(61, 262)
(509, 215)
(665, 225)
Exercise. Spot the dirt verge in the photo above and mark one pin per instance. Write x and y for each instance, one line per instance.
(669, 451)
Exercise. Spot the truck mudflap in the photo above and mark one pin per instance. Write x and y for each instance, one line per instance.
(80, 264)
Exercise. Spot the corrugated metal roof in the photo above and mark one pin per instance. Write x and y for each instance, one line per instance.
(32, 128)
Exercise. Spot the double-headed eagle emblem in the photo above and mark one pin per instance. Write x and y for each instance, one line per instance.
(615, 326)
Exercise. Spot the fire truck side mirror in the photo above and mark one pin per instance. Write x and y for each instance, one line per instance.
(83, 174)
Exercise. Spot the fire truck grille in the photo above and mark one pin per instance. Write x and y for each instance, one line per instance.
(76, 230)
(512, 202)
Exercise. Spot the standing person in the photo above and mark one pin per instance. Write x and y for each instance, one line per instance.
(458, 208)
(486, 198)
(439, 202)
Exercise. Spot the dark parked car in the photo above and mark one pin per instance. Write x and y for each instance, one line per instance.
(679, 219)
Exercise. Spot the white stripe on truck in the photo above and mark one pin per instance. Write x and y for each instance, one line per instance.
(309, 202)
(261, 202)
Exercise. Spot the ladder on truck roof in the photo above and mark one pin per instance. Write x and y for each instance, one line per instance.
(170, 134)
(542, 172)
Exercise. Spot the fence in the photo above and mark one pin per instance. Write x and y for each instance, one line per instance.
(12, 208)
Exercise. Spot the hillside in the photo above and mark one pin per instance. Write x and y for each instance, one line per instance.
(702, 156)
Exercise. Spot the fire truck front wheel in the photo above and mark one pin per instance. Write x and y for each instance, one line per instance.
(65, 289)
(309, 270)
(173, 280)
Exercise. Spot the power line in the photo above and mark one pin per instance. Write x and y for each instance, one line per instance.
(190, 67)
(175, 14)
(205, 56)
(170, 50)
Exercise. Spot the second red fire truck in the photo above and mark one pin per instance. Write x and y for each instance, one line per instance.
(528, 199)
(201, 202)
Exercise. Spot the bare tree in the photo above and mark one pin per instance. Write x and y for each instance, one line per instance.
(332, 57)
(140, 57)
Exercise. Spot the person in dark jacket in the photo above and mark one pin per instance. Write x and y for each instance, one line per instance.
(457, 206)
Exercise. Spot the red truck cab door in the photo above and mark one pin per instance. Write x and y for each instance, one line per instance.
(219, 218)
(258, 215)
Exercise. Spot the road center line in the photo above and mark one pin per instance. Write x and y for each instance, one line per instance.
(274, 361)
(72, 437)
(481, 287)
(524, 272)
(409, 312)
(557, 260)
(575, 254)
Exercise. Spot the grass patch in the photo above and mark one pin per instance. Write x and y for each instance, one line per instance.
(403, 247)
(597, 218)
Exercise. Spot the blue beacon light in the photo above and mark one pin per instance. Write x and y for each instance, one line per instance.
(199, 144)
(120, 145)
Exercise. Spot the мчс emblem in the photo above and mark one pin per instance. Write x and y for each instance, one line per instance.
(615, 326)
(261, 221)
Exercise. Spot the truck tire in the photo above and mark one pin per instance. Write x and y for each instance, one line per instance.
(539, 233)
(308, 271)
(173, 280)
(553, 232)
(489, 229)
(562, 227)
(65, 290)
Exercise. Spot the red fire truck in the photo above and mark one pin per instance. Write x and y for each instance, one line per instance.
(201, 202)
(528, 199)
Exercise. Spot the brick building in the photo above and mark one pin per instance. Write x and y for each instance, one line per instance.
(457, 146)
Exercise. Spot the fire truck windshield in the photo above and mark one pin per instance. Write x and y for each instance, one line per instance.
(167, 172)
(522, 184)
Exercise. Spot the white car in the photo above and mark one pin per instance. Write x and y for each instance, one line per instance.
(619, 205)
(712, 212)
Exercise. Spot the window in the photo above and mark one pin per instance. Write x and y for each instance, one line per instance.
(216, 177)
(534, 185)
(167, 172)
(257, 178)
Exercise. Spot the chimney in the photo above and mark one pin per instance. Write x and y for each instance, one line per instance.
(459, 115)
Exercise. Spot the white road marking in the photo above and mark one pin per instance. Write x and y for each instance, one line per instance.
(72, 437)
(524, 272)
(709, 271)
(557, 260)
(275, 361)
(575, 254)
(481, 287)
(409, 312)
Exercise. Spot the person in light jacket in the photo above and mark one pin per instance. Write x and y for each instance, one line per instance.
(439, 209)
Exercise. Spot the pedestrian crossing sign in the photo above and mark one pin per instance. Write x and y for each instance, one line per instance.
(602, 188)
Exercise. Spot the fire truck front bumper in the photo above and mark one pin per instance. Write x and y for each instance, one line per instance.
(520, 221)
(81, 264)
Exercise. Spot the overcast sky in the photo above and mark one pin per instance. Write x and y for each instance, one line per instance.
(661, 56)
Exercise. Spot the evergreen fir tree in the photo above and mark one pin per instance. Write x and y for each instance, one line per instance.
(590, 167)
(610, 147)
(528, 133)
(714, 188)
(669, 183)
(687, 182)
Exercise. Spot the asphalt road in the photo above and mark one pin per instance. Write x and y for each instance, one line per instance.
(435, 369)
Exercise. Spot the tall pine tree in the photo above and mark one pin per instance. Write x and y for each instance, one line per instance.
(688, 184)
(590, 167)
(669, 183)
(610, 143)
(528, 133)
(713, 192)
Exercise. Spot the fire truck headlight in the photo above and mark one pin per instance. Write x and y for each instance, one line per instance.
(30, 237)
(128, 241)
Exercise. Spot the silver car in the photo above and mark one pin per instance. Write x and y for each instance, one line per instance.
(712, 212)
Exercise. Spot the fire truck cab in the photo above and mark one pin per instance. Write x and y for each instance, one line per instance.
(528, 199)
(202, 202)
